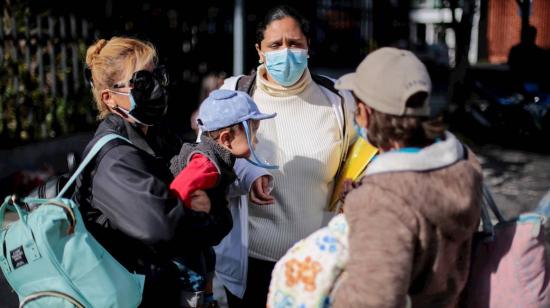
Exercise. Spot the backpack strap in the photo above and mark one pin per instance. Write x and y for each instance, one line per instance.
(246, 83)
(4, 266)
(326, 83)
(95, 149)
(489, 202)
(340, 110)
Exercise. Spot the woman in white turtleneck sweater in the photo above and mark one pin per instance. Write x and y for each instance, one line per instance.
(307, 140)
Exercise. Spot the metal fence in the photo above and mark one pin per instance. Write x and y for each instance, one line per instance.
(42, 89)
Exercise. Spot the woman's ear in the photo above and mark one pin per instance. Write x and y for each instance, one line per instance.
(260, 54)
(108, 99)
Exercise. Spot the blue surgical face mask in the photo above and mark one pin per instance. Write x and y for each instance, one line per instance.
(255, 159)
(361, 131)
(286, 66)
(132, 106)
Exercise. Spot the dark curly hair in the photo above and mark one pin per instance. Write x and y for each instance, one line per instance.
(278, 13)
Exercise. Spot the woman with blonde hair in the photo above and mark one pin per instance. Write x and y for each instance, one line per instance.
(124, 195)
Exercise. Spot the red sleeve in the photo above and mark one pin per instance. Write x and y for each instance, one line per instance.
(199, 174)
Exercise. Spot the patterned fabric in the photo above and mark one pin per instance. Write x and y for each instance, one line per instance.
(306, 274)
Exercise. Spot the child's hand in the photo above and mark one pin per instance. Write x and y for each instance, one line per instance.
(260, 192)
(200, 201)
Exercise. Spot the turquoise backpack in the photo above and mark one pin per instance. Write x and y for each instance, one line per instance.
(50, 260)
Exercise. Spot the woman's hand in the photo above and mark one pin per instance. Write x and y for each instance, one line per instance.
(200, 201)
(260, 193)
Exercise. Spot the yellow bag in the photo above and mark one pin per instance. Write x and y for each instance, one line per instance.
(360, 155)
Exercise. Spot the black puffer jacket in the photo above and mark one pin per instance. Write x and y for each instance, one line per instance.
(125, 200)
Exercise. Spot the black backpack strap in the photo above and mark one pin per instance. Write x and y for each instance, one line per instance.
(326, 83)
(247, 83)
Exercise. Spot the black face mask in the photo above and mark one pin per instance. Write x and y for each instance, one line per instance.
(149, 96)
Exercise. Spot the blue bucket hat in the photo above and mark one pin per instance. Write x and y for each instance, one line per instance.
(223, 108)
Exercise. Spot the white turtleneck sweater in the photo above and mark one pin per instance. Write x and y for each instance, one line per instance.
(305, 141)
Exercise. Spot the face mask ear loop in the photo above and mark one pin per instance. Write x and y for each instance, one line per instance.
(257, 161)
(132, 106)
(199, 135)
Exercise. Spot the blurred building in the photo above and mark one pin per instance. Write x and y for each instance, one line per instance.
(433, 34)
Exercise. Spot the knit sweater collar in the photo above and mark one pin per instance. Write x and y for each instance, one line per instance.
(274, 89)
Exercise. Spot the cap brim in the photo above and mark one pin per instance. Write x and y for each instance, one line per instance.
(262, 116)
(346, 82)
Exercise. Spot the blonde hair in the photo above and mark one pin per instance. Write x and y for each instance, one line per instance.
(115, 60)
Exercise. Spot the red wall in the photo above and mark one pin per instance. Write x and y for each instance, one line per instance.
(504, 24)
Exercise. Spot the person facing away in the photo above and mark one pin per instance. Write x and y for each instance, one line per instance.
(414, 213)
(124, 194)
(228, 121)
(308, 140)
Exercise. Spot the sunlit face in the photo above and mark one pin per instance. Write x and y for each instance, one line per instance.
(236, 141)
(281, 34)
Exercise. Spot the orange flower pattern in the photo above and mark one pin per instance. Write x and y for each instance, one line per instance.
(302, 272)
(305, 275)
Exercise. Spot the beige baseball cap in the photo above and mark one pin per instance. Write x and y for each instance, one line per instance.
(386, 79)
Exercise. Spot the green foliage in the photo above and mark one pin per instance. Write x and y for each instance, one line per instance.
(29, 110)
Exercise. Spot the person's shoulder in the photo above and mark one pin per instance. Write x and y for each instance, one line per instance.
(327, 83)
(388, 189)
(123, 153)
(372, 189)
(231, 82)
(378, 196)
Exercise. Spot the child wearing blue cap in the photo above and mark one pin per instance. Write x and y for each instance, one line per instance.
(227, 121)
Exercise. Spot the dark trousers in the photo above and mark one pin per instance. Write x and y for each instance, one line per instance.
(257, 285)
